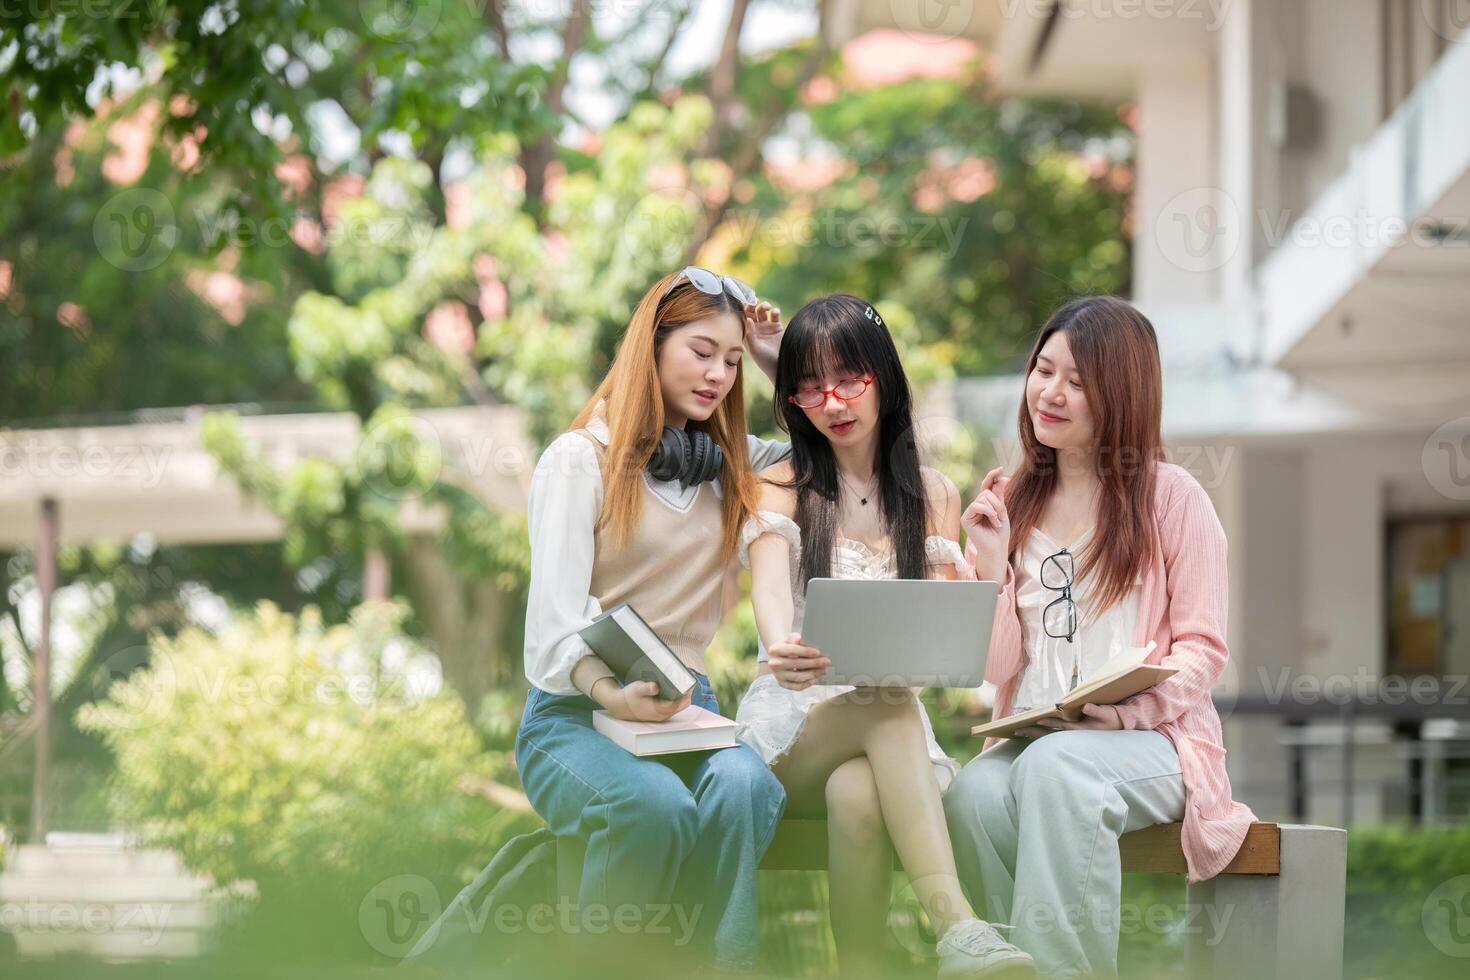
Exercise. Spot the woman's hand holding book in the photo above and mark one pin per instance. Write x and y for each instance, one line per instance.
(638, 701)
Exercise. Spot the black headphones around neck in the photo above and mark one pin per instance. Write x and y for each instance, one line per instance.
(689, 456)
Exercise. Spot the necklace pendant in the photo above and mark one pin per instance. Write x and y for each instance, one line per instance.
(865, 501)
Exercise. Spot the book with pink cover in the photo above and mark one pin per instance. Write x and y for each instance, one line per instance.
(692, 730)
(1117, 680)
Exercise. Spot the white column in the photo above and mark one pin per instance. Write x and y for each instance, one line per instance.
(1176, 170)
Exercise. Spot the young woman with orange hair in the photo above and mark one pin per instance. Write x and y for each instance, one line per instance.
(1102, 547)
(642, 501)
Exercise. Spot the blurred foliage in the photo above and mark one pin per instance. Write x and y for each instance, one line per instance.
(968, 217)
(1406, 887)
(251, 75)
(301, 756)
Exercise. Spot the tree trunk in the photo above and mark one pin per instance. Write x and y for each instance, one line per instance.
(474, 626)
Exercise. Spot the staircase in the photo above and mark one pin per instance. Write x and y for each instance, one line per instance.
(100, 895)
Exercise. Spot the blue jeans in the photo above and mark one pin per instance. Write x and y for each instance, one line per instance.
(688, 829)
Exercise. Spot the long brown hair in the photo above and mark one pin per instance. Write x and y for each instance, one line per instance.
(1117, 355)
(635, 411)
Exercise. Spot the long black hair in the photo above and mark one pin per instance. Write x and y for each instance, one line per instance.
(843, 333)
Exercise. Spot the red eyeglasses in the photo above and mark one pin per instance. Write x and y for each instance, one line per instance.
(817, 397)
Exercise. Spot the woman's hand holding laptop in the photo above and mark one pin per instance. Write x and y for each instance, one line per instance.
(796, 665)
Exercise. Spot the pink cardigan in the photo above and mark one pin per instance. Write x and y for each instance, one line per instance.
(1182, 608)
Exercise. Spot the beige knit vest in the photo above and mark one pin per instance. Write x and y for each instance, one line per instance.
(670, 569)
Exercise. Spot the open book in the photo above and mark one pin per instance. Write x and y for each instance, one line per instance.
(692, 730)
(1118, 679)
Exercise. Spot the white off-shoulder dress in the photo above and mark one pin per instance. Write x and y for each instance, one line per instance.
(770, 715)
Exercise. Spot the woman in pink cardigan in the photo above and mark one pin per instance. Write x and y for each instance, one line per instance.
(1101, 547)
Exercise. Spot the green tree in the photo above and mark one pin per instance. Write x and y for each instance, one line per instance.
(967, 216)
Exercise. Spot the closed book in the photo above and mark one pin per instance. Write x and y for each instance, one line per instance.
(1119, 679)
(634, 652)
(692, 730)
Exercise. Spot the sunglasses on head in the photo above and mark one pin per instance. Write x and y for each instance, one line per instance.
(707, 282)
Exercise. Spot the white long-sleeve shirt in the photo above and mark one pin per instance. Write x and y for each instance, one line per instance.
(565, 501)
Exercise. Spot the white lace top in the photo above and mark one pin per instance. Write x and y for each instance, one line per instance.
(770, 715)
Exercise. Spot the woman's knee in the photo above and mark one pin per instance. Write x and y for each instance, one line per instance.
(853, 806)
(741, 776)
(656, 808)
(869, 706)
(1060, 763)
(978, 796)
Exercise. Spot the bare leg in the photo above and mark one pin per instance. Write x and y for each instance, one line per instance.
(859, 868)
(883, 725)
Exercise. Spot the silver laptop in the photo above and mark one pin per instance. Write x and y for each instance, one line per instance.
(901, 632)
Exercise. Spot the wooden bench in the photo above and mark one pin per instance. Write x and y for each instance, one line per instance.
(1276, 911)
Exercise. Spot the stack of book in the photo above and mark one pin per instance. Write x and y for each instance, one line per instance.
(634, 652)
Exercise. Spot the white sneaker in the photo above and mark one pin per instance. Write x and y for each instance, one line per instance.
(972, 949)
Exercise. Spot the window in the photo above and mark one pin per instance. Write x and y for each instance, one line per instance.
(1429, 597)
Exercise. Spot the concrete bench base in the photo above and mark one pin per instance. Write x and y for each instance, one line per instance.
(1276, 910)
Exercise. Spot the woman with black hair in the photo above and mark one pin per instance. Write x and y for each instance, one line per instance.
(853, 501)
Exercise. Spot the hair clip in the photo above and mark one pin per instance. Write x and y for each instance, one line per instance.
(873, 315)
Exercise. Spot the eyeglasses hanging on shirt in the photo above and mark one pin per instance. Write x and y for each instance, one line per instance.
(1059, 617)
